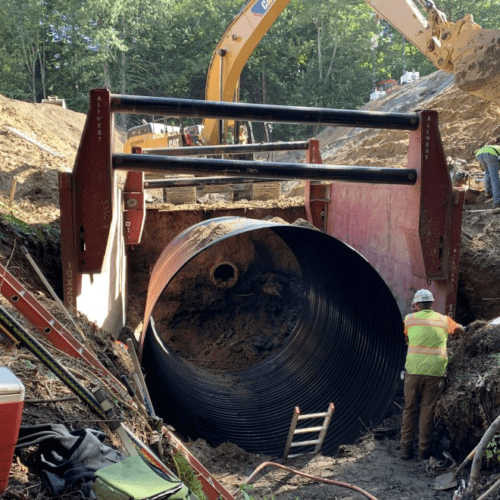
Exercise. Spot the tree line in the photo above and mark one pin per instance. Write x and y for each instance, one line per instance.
(325, 53)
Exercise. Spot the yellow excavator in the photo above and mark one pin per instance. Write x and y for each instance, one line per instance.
(462, 47)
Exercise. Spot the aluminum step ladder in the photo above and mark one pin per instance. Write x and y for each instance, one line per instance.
(327, 416)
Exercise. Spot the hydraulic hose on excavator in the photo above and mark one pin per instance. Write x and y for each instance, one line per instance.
(347, 348)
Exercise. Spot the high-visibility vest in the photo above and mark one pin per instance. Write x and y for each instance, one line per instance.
(492, 150)
(427, 333)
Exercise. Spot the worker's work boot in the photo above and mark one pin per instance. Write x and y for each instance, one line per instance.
(423, 455)
(406, 454)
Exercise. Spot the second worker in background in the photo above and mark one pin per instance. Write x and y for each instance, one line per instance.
(489, 159)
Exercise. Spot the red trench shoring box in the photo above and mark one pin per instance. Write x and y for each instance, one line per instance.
(11, 410)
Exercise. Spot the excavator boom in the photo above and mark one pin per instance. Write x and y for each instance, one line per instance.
(461, 47)
(232, 53)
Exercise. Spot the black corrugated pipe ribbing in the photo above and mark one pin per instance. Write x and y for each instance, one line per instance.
(347, 348)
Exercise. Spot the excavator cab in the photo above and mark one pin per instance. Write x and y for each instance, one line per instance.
(166, 132)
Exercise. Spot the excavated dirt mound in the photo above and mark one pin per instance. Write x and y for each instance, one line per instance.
(465, 123)
(471, 398)
(479, 283)
(35, 166)
(36, 142)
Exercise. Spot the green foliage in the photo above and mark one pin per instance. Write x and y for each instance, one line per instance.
(493, 448)
(243, 488)
(27, 229)
(22, 227)
(28, 364)
(187, 476)
(496, 356)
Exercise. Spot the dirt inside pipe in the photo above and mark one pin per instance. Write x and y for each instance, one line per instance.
(232, 327)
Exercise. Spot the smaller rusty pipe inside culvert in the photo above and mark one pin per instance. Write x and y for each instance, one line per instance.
(346, 345)
(224, 274)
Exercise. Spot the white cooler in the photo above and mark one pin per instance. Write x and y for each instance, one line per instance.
(11, 410)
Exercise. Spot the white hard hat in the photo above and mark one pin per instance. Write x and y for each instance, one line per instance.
(423, 296)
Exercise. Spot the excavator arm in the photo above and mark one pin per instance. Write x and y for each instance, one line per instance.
(463, 48)
(232, 52)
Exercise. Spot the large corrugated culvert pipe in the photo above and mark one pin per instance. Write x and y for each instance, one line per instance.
(347, 347)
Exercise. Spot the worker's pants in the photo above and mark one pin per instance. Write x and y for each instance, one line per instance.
(421, 392)
(491, 166)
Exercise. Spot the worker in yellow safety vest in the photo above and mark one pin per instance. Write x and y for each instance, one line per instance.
(427, 334)
(489, 159)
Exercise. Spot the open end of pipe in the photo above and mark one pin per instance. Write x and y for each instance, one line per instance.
(346, 345)
(224, 274)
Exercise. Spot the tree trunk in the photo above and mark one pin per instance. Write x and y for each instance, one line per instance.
(107, 79)
(318, 28)
(335, 45)
(122, 120)
(264, 86)
(264, 101)
(42, 63)
(33, 80)
(373, 69)
(404, 56)
(105, 68)
(29, 60)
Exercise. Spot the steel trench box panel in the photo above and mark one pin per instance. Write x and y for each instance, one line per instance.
(347, 348)
(410, 234)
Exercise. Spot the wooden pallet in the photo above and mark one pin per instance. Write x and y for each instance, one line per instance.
(225, 190)
(266, 191)
(180, 195)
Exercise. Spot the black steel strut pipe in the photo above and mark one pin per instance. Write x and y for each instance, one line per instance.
(231, 149)
(347, 348)
(121, 103)
(200, 181)
(269, 170)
